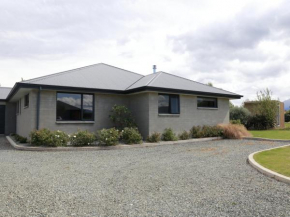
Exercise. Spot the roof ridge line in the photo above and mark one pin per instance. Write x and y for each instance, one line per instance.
(134, 82)
(153, 78)
(70, 70)
(199, 83)
(57, 73)
(122, 69)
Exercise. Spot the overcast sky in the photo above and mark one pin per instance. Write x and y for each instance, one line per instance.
(241, 46)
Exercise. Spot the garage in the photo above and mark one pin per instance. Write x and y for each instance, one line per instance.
(2, 119)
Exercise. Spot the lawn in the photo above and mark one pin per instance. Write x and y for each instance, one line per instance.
(277, 160)
(273, 134)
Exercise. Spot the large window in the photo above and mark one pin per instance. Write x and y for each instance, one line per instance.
(168, 104)
(206, 102)
(26, 101)
(75, 107)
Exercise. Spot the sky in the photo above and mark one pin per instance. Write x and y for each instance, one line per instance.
(241, 46)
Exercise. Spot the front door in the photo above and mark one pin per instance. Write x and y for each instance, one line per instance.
(2, 119)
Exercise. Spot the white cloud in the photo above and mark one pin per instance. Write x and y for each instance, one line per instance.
(241, 46)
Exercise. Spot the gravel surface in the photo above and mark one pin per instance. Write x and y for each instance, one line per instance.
(198, 179)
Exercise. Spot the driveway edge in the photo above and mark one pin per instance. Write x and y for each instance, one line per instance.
(266, 171)
(94, 148)
(265, 139)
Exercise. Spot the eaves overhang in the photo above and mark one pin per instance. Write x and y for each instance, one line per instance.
(17, 86)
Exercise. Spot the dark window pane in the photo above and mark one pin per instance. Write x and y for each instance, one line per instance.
(207, 102)
(163, 104)
(26, 100)
(174, 104)
(68, 106)
(88, 107)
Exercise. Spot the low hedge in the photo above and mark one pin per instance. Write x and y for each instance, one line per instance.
(108, 137)
(131, 135)
(82, 138)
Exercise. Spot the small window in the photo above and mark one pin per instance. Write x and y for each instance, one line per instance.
(168, 104)
(26, 101)
(75, 107)
(18, 107)
(206, 102)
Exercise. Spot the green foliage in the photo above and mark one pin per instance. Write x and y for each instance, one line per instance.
(266, 108)
(20, 139)
(260, 122)
(154, 137)
(41, 137)
(131, 135)
(240, 113)
(59, 138)
(184, 135)
(108, 136)
(206, 131)
(168, 135)
(287, 116)
(235, 121)
(122, 117)
(82, 138)
(45, 137)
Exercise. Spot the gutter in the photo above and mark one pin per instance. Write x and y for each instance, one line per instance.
(135, 90)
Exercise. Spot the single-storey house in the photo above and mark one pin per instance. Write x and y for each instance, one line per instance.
(82, 99)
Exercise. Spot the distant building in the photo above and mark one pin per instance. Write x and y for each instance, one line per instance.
(251, 105)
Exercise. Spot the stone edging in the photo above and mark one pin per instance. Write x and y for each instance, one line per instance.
(265, 139)
(266, 171)
(95, 148)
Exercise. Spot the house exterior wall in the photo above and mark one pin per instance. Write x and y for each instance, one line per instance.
(26, 118)
(189, 115)
(10, 118)
(103, 106)
(144, 107)
(139, 106)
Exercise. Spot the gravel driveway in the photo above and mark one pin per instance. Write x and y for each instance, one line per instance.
(198, 179)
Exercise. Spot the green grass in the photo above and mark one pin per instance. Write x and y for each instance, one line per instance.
(277, 160)
(273, 134)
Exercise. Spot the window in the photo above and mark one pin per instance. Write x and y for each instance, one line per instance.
(75, 107)
(206, 102)
(168, 104)
(26, 101)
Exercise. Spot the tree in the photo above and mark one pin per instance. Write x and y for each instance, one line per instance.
(239, 113)
(210, 84)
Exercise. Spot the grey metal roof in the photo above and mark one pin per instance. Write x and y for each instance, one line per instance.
(4, 91)
(103, 77)
(169, 81)
(99, 76)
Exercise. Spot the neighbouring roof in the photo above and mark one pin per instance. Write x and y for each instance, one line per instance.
(106, 78)
(4, 91)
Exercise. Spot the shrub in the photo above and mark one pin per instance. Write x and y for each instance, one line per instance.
(287, 116)
(131, 136)
(234, 131)
(154, 137)
(240, 113)
(260, 122)
(122, 117)
(235, 121)
(82, 138)
(20, 139)
(59, 138)
(206, 131)
(168, 135)
(41, 137)
(195, 132)
(108, 136)
(184, 135)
